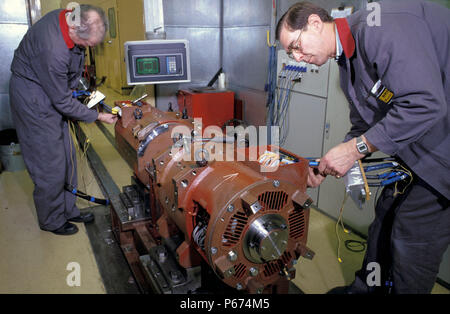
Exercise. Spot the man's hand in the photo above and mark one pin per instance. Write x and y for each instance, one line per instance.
(107, 117)
(314, 178)
(338, 160)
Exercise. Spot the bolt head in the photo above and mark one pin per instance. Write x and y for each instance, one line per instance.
(254, 271)
(232, 256)
(276, 183)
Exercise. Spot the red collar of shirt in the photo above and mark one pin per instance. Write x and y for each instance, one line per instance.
(346, 37)
(65, 29)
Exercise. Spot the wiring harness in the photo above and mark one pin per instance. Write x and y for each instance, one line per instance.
(392, 173)
(278, 103)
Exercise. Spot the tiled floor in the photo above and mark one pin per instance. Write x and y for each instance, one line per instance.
(34, 261)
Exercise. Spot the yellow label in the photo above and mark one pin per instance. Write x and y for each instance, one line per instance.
(386, 96)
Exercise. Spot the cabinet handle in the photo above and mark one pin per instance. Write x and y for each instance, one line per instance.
(327, 130)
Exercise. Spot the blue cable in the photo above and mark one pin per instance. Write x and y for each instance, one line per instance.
(380, 166)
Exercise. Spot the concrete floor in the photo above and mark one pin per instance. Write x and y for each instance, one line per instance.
(34, 261)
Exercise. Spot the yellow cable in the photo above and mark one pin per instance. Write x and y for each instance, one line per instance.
(71, 157)
(82, 155)
(341, 211)
(410, 180)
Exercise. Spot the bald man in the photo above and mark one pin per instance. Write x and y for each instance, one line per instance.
(46, 67)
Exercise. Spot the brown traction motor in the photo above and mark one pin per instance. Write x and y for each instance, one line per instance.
(248, 225)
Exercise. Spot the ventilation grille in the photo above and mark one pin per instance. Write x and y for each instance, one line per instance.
(239, 271)
(296, 223)
(274, 267)
(274, 200)
(234, 229)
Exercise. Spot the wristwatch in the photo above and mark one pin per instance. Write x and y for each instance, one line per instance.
(361, 146)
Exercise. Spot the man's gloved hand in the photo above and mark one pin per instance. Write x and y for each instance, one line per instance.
(107, 117)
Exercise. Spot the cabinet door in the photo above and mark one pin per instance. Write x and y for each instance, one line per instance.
(107, 54)
(130, 27)
(305, 128)
(112, 48)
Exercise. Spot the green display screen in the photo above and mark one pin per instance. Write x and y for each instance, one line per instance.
(147, 65)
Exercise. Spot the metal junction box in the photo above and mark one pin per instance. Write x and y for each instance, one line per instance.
(214, 107)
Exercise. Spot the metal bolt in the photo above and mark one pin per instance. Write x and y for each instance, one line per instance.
(239, 286)
(230, 208)
(167, 200)
(128, 248)
(184, 183)
(162, 255)
(307, 203)
(253, 271)
(213, 250)
(232, 256)
(276, 183)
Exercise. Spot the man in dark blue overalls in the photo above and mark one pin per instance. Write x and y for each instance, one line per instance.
(407, 54)
(46, 67)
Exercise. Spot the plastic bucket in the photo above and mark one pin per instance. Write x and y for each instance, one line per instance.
(10, 153)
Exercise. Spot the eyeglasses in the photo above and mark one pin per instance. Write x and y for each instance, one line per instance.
(295, 47)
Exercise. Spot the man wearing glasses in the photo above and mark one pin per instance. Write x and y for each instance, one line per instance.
(396, 78)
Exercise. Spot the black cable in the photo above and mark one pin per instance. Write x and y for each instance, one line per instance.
(369, 160)
(89, 198)
(355, 245)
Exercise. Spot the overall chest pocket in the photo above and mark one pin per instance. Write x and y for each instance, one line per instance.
(375, 108)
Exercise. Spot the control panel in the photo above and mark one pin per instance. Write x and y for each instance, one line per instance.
(157, 61)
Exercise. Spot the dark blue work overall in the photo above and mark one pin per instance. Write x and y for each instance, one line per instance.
(46, 67)
(408, 51)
